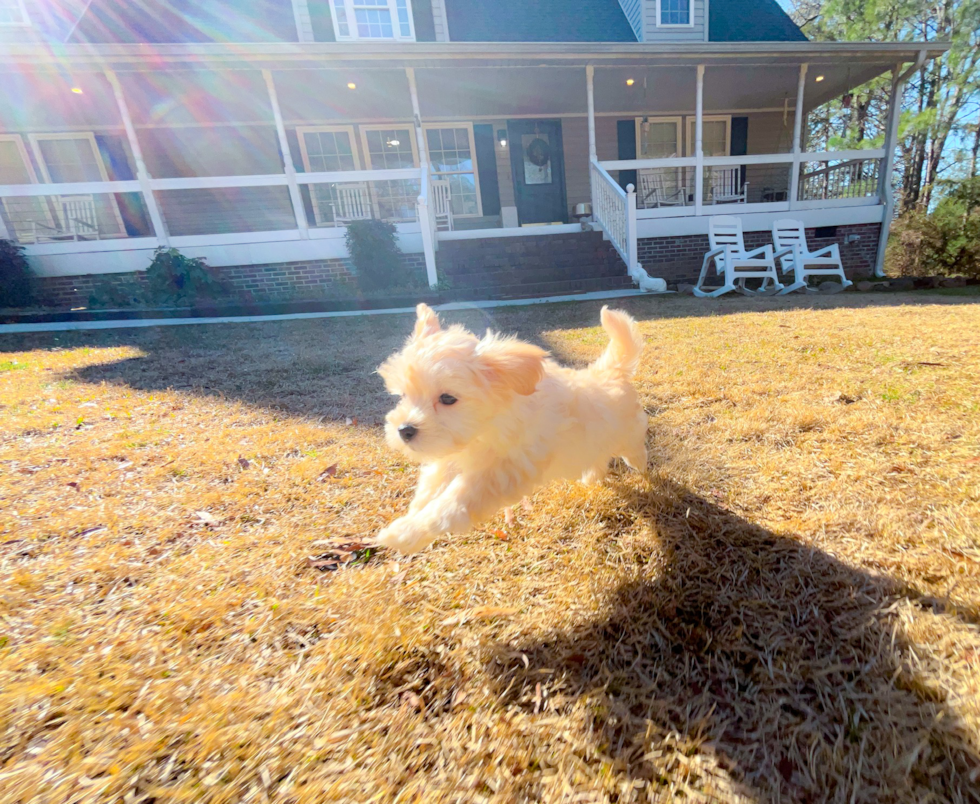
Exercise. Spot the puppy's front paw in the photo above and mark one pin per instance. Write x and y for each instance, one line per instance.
(404, 536)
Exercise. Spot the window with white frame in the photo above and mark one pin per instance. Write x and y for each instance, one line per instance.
(452, 154)
(21, 213)
(13, 12)
(75, 158)
(325, 150)
(659, 138)
(373, 19)
(716, 135)
(675, 13)
(392, 147)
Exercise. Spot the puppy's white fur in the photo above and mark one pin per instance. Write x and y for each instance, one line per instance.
(520, 421)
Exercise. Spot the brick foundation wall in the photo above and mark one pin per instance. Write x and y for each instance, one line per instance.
(272, 282)
(678, 259)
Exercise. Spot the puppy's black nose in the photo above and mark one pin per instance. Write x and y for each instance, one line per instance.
(407, 432)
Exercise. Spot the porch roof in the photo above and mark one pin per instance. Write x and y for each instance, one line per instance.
(843, 65)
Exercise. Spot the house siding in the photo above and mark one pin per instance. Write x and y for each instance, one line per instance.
(633, 9)
(218, 151)
(654, 33)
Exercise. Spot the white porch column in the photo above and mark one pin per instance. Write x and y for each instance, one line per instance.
(295, 196)
(698, 148)
(891, 141)
(590, 92)
(426, 221)
(794, 176)
(142, 174)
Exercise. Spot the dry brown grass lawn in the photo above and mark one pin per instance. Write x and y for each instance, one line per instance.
(786, 609)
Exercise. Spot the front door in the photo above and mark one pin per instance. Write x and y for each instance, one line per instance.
(539, 170)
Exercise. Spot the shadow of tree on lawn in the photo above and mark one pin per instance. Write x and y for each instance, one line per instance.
(748, 656)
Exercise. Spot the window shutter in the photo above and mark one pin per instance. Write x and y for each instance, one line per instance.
(626, 137)
(131, 209)
(321, 21)
(740, 139)
(486, 165)
(425, 26)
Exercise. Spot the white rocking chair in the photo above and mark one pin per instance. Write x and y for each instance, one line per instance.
(353, 203)
(443, 205)
(654, 193)
(793, 254)
(79, 221)
(727, 187)
(734, 262)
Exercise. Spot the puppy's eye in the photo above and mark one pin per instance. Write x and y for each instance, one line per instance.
(447, 399)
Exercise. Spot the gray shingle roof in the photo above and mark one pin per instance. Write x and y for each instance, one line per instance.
(751, 21)
(537, 21)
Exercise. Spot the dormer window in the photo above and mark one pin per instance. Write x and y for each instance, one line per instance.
(675, 13)
(13, 12)
(373, 19)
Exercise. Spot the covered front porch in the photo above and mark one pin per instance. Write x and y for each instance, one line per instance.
(256, 155)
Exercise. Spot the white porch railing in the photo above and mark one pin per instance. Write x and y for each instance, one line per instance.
(847, 178)
(615, 211)
(855, 178)
(381, 197)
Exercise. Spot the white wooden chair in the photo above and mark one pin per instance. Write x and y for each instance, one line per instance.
(726, 186)
(789, 238)
(353, 203)
(78, 221)
(654, 193)
(734, 262)
(442, 205)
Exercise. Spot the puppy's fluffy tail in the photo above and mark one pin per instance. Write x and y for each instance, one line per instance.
(625, 343)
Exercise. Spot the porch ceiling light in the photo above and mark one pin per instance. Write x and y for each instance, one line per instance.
(630, 82)
(351, 85)
(77, 90)
(819, 78)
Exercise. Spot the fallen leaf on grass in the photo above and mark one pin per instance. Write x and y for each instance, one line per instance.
(206, 518)
(330, 471)
(243, 462)
(342, 555)
(499, 534)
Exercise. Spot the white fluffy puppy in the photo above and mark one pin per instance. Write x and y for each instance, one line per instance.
(492, 419)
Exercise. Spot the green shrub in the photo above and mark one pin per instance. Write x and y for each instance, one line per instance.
(945, 241)
(16, 280)
(173, 278)
(377, 259)
(117, 293)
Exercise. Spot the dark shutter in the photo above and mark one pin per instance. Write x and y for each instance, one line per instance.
(321, 21)
(626, 137)
(117, 167)
(486, 162)
(740, 139)
(425, 26)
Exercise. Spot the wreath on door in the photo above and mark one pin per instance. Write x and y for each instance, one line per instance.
(538, 152)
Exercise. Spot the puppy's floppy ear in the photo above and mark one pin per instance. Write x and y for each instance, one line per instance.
(511, 365)
(427, 322)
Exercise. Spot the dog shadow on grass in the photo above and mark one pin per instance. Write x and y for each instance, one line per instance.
(751, 667)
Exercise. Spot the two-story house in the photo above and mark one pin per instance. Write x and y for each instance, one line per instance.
(251, 133)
